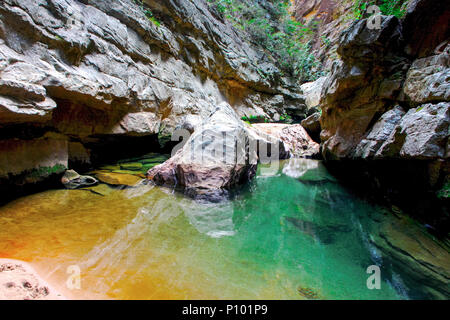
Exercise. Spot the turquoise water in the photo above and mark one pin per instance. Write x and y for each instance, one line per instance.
(292, 233)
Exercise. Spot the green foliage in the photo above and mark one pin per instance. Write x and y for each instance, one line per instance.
(285, 118)
(387, 7)
(393, 7)
(148, 13)
(444, 193)
(270, 25)
(326, 41)
(255, 119)
(47, 171)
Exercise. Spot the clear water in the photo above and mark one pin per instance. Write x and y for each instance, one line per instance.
(292, 233)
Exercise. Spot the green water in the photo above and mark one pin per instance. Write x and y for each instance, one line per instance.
(292, 233)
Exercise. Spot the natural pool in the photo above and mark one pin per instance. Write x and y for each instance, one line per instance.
(292, 233)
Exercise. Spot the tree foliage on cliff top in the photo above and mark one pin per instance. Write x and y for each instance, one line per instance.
(270, 26)
(387, 7)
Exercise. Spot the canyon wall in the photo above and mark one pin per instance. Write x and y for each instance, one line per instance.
(385, 108)
(91, 78)
(327, 19)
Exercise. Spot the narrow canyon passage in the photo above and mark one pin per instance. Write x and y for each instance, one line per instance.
(225, 149)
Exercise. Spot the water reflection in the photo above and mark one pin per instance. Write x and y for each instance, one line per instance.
(294, 234)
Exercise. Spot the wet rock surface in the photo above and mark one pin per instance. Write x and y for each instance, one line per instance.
(418, 254)
(72, 180)
(118, 179)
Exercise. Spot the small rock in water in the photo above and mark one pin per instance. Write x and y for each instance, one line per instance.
(72, 180)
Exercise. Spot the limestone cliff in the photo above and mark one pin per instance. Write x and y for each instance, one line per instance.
(88, 78)
(386, 104)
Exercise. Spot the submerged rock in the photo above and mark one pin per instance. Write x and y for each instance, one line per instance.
(326, 234)
(308, 293)
(118, 179)
(72, 180)
(131, 166)
(424, 259)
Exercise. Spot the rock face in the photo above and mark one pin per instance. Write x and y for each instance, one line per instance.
(328, 18)
(421, 134)
(92, 69)
(381, 131)
(313, 92)
(32, 160)
(312, 126)
(426, 27)
(361, 117)
(428, 79)
(387, 101)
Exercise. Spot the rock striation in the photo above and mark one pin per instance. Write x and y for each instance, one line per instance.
(98, 70)
(385, 110)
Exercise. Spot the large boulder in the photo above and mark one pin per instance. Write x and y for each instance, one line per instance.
(214, 159)
(223, 153)
(313, 91)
